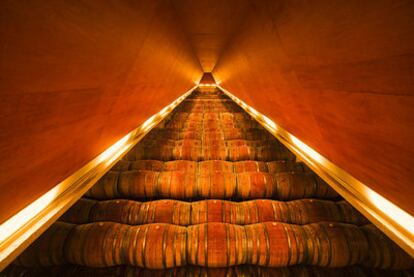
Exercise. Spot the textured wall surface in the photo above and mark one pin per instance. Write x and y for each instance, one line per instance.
(209, 25)
(339, 75)
(76, 76)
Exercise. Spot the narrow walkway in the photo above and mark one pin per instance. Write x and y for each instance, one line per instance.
(211, 192)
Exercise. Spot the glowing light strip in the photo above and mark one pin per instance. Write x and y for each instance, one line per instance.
(24, 227)
(207, 85)
(392, 220)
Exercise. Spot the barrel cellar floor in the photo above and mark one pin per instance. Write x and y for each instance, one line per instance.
(210, 192)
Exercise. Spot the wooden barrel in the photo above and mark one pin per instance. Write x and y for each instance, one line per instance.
(224, 116)
(216, 134)
(160, 246)
(176, 134)
(310, 186)
(106, 186)
(211, 166)
(84, 211)
(251, 143)
(49, 248)
(98, 244)
(180, 165)
(211, 117)
(171, 143)
(196, 271)
(334, 246)
(199, 153)
(185, 116)
(383, 252)
(208, 167)
(210, 125)
(130, 212)
(250, 166)
(218, 152)
(183, 124)
(208, 109)
(249, 134)
(209, 143)
(121, 165)
(219, 185)
(236, 117)
(153, 165)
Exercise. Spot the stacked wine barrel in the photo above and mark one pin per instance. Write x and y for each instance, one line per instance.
(210, 192)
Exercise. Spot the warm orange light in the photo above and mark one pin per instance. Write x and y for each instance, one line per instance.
(270, 123)
(390, 218)
(20, 228)
(309, 151)
(391, 210)
(18, 220)
(207, 85)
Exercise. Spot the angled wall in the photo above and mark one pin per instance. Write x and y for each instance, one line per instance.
(339, 76)
(209, 24)
(75, 76)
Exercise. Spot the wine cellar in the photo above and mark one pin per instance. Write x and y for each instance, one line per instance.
(209, 190)
(206, 138)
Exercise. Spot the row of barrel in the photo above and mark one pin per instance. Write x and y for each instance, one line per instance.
(201, 153)
(210, 192)
(193, 271)
(160, 246)
(303, 211)
(211, 166)
(210, 130)
(145, 184)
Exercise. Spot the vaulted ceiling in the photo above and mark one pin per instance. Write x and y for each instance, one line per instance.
(209, 25)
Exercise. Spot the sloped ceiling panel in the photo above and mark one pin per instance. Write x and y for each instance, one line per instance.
(339, 76)
(76, 76)
(210, 24)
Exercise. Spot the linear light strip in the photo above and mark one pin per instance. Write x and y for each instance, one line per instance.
(24, 227)
(392, 220)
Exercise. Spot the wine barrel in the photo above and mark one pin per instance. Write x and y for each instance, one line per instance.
(121, 165)
(303, 211)
(208, 94)
(160, 246)
(249, 134)
(185, 116)
(207, 106)
(208, 167)
(211, 166)
(210, 125)
(176, 135)
(383, 252)
(195, 271)
(237, 116)
(199, 153)
(219, 185)
(209, 143)
(223, 116)
(182, 124)
(207, 109)
(84, 211)
(49, 249)
(213, 134)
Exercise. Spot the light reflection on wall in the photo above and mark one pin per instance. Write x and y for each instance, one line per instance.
(394, 221)
(394, 212)
(20, 228)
